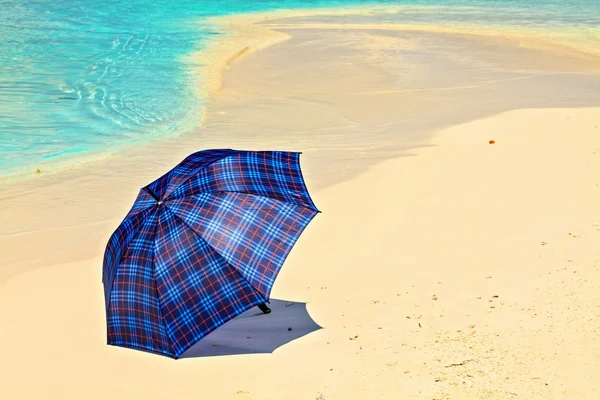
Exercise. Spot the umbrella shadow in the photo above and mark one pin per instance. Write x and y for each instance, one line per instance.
(254, 332)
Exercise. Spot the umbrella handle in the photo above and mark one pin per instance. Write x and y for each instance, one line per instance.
(263, 307)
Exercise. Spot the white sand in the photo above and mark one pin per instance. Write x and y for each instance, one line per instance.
(402, 267)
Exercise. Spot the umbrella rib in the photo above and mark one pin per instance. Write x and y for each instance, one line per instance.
(158, 296)
(141, 210)
(146, 210)
(117, 263)
(215, 250)
(132, 213)
(217, 192)
(235, 152)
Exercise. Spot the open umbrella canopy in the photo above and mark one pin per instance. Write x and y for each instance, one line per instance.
(201, 245)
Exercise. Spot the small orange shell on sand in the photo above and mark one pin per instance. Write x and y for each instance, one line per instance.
(37, 171)
(492, 141)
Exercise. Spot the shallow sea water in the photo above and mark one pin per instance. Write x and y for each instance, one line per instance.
(81, 77)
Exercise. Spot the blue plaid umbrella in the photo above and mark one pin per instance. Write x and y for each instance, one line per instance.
(201, 245)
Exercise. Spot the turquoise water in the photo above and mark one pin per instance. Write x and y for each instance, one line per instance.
(80, 77)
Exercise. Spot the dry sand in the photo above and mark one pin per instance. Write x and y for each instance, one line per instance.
(442, 267)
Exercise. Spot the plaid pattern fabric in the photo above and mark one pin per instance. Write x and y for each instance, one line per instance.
(201, 245)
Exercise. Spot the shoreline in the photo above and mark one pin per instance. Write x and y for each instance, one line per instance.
(244, 34)
(347, 153)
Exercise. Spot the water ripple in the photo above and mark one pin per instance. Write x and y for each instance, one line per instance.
(81, 76)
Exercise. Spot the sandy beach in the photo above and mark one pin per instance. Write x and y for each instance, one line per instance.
(442, 267)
